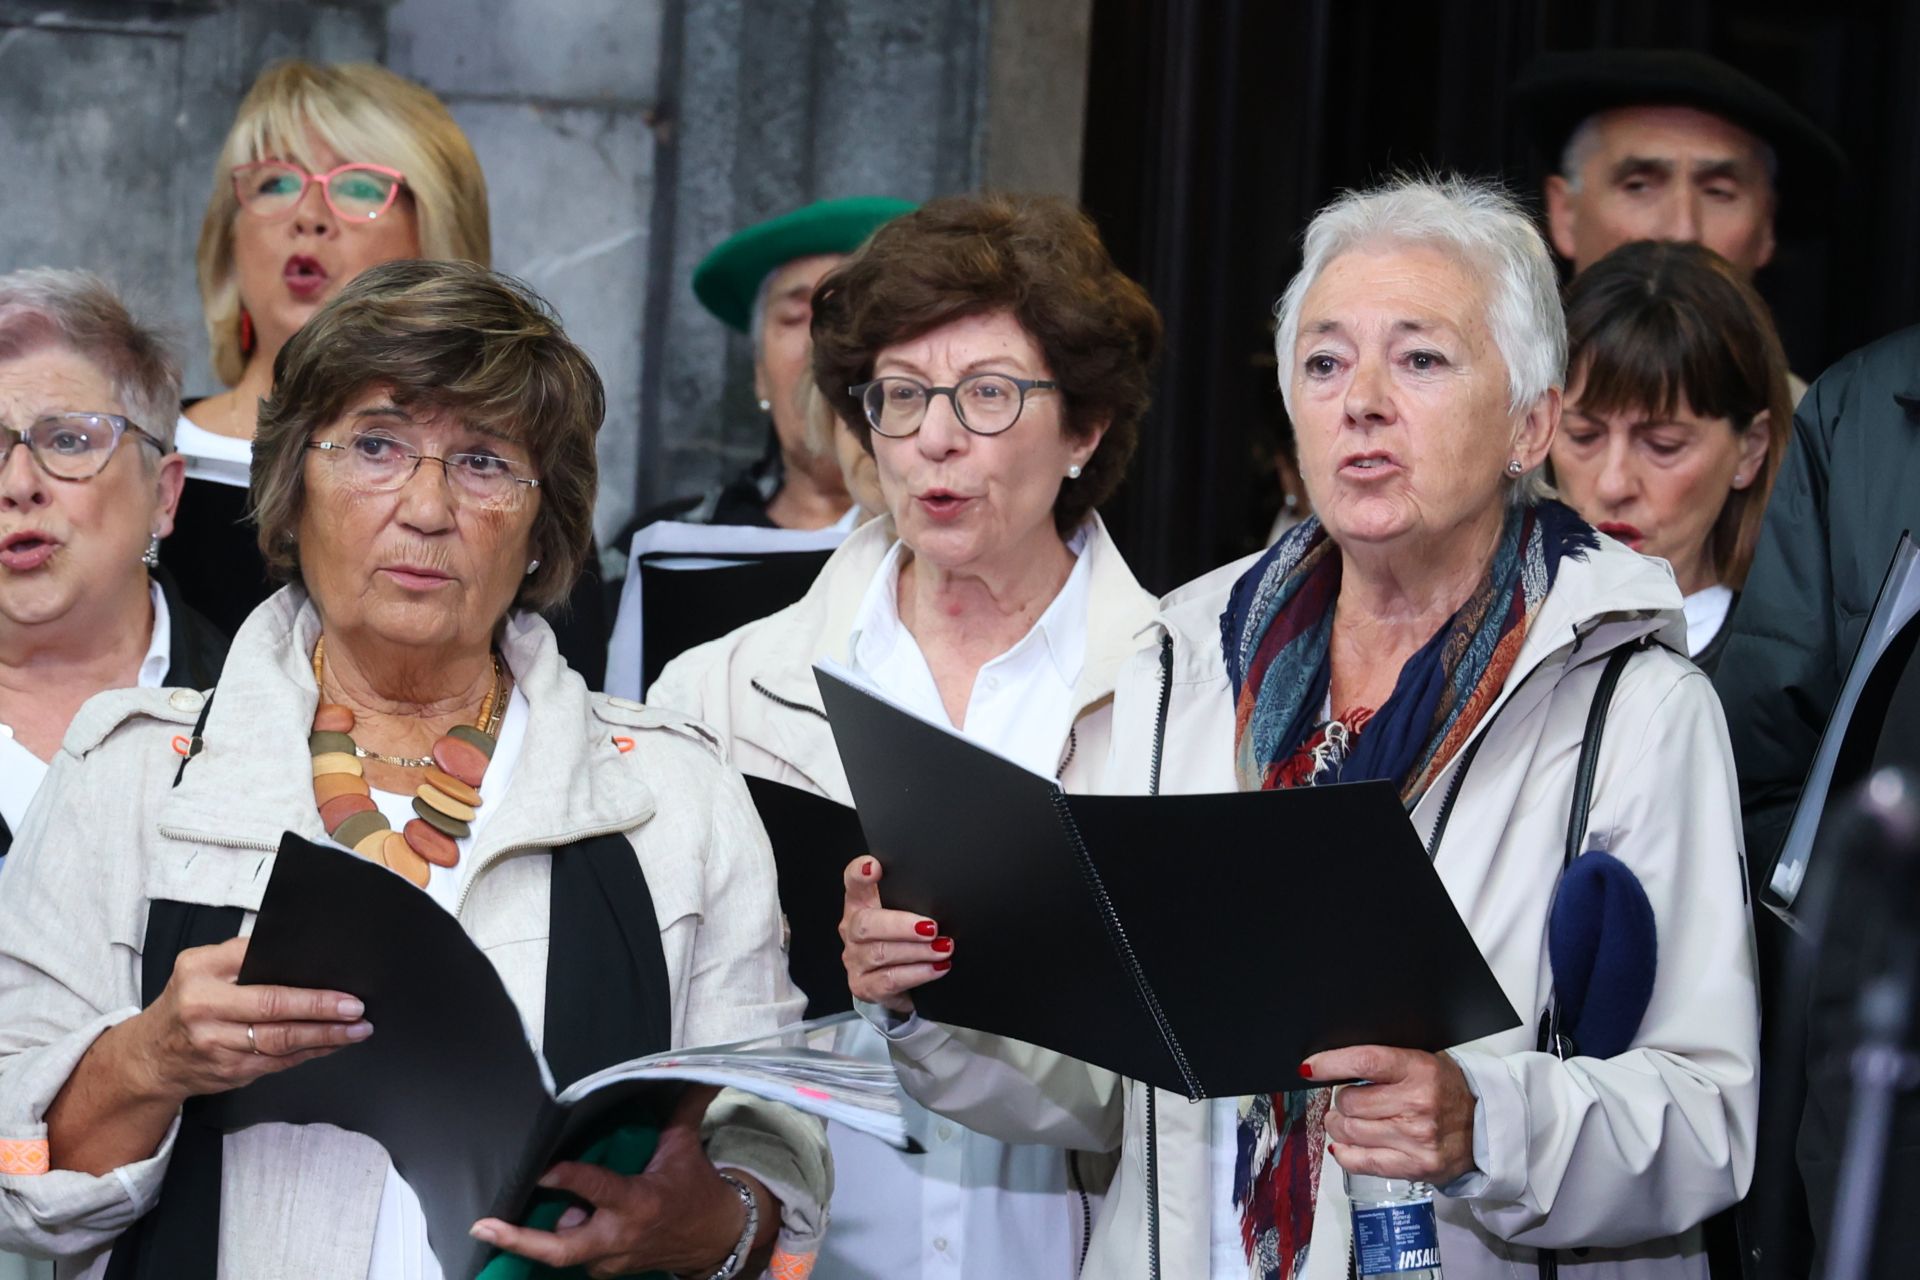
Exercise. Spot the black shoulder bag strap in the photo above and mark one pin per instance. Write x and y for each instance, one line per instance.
(608, 1000)
(1550, 1038)
(180, 1235)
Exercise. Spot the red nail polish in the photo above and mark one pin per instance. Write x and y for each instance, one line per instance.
(941, 966)
(926, 928)
(1306, 1072)
(943, 945)
(866, 868)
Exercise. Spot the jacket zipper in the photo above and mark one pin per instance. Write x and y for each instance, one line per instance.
(1153, 1145)
(788, 703)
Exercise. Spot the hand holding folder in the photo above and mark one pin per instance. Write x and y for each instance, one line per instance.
(1206, 944)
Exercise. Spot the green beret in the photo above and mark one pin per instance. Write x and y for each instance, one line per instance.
(729, 277)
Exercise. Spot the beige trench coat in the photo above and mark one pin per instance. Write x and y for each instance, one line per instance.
(1618, 1158)
(109, 832)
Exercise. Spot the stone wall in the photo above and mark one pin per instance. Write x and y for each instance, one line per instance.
(622, 139)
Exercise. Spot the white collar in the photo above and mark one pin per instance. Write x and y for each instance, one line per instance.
(1062, 627)
(211, 456)
(159, 659)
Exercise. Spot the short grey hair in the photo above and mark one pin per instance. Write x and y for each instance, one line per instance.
(43, 307)
(1584, 141)
(1481, 225)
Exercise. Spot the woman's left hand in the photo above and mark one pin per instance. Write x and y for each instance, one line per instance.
(678, 1215)
(1412, 1119)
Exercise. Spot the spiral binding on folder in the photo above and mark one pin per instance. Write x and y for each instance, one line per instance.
(1117, 934)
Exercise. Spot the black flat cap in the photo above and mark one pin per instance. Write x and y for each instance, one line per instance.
(1561, 89)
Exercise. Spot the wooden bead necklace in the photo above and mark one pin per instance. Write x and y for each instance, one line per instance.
(445, 802)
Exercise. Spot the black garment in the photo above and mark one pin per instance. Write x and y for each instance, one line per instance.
(1850, 486)
(742, 500)
(196, 653)
(213, 554)
(607, 997)
(1708, 659)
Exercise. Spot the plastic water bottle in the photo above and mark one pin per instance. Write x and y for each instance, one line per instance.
(1394, 1232)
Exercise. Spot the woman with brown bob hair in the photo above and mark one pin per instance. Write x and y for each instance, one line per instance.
(995, 363)
(424, 475)
(1677, 418)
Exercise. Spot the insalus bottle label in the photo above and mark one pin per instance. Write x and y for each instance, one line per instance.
(1396, 1239)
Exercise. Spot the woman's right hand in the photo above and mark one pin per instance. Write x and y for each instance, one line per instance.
(196, 1035)
(887, 953)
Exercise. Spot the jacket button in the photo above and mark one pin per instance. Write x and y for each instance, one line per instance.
(186, 700)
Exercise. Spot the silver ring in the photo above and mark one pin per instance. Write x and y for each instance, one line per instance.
(252, 1043)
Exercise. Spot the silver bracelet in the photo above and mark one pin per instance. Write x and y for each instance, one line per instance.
(736, 1262)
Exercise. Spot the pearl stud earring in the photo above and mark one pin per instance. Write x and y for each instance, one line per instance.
(1073, 472)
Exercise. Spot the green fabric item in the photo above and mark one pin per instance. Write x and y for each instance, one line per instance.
(626, 1150)
(728, 278)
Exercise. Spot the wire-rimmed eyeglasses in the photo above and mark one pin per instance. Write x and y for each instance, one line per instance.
(74, 446)
(377, 463)
(985, 403)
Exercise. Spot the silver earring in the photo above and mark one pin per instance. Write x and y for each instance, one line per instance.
(1513, 467)
(151, 556)
(766, 406)
(1073, 472)
(531, 566)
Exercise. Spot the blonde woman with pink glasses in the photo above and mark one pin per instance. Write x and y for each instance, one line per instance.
(327, 171)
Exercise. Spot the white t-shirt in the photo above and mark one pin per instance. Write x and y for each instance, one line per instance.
(21, 771)
(1706, 611)
(210, 456)
(971, 1207)
(400, 1248)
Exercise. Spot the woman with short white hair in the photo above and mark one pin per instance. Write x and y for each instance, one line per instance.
(89, 481)
(1444, 625)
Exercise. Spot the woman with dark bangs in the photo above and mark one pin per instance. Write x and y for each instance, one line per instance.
(1677, 418)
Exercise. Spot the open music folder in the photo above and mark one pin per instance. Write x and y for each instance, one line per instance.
(449, 1082)
(1206, 944)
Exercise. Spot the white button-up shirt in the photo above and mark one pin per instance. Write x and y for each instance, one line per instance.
(21, 771)
(969, 1207)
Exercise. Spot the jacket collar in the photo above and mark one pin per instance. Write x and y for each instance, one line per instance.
(1118, 607)
(253, 780)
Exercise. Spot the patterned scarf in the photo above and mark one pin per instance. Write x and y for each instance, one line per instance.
(1275, 633)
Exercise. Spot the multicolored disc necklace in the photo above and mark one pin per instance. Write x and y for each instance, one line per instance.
(445, 802)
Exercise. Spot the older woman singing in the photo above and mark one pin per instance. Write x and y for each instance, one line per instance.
(994, 363)
(1441, 625)
(424, 474)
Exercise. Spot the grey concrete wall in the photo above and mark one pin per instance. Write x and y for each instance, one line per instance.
(622, 140)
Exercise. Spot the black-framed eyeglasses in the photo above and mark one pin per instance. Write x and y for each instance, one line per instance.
(375, 462)
(74, 446)
(985, 403)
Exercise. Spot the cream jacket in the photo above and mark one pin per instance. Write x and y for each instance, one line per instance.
(1613, 1162)
(109, 833)
(756, 685)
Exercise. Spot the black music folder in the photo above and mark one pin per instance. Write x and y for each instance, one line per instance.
(813, 839)
(449, 1082)
(1206, 944)
(1874, 722)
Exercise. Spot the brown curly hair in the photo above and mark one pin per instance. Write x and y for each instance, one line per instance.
(450, 336)
(1040, 260)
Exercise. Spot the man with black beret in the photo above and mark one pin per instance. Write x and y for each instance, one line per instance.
(1671, 144)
